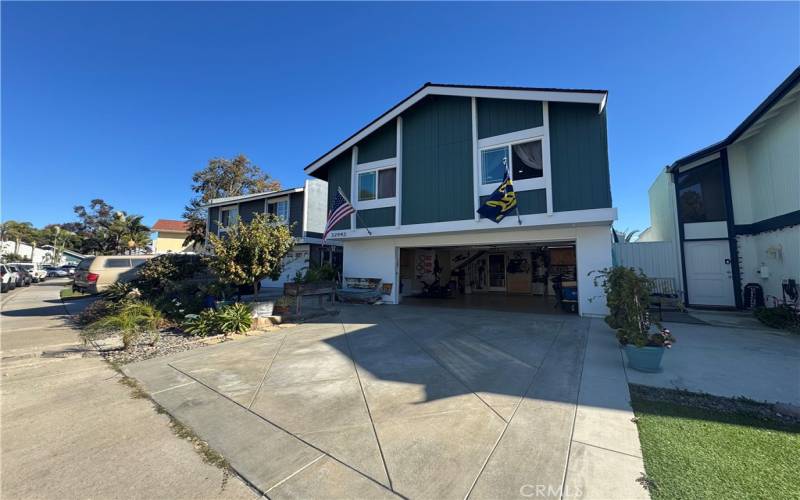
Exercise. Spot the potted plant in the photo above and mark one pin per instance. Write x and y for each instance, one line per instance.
(628, 296)
(282, 306)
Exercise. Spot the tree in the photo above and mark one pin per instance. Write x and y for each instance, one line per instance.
(221, 178)
(626, 236)
(18, 232)
(250, 252)
(103, 230)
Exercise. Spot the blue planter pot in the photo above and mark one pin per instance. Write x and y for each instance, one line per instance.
(644, 359)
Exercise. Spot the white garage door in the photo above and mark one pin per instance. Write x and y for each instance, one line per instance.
(708, 273)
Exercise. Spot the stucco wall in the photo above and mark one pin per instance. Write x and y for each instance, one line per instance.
(765, 169)
(662, 210)
(171, 242)
(778, 250)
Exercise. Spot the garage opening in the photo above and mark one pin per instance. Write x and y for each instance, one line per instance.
(535, 277)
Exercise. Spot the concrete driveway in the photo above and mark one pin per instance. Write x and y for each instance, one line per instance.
(386, 401)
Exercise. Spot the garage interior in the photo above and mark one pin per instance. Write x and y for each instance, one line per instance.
(534, 277)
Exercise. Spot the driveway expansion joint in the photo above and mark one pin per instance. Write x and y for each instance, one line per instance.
(266, 372)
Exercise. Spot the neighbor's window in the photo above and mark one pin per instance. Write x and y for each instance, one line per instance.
(377, 184)
(227, 217)
(525, 162)
(701, 197)
(279, 208)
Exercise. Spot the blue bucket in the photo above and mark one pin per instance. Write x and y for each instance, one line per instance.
(644, 359)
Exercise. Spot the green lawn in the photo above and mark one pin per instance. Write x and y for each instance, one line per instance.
(68, 293)
(696, 453)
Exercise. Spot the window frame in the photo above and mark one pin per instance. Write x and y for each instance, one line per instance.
(234, 210)
(276, 201)
(375, 167)
(491, 143)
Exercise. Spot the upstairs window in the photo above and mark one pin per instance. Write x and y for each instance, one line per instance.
(523, 160)
(701, 197)
(227, 216)
(279, 208)
(377, 184)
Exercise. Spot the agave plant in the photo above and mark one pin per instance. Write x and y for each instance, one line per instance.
(235, 318)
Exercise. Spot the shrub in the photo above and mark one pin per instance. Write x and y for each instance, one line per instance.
(117, 291)
(203, 324)
(235, 318)
(316, 273)
(628, 299)
(96, 310)
(157, 273)
(131, 319)
(782, 317)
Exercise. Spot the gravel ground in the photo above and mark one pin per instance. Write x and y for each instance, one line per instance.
(763, 411)
(168, 342)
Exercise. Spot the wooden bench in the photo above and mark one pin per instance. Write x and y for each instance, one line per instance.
(664, 294)
(300, 290)
(363, 290)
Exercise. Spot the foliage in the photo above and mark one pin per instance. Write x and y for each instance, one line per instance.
(250, 252)
(203, 324)
(316, 273)
(158, 273)
(131, 319)
(626, 235)
(782, 317)
(105, 231)
(95, 311)
(118, 291)
(235, 318)
(222, 177)
(15, 257)
(628, 298)
(60, 236)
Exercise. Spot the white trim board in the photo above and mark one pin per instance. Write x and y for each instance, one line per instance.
(592, 217)
(598, 98)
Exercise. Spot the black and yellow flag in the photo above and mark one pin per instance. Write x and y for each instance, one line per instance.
(502, 201)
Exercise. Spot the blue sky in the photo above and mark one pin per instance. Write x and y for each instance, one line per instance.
(125, 101)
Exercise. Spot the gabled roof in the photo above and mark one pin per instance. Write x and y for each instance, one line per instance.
(249, 197)
(168, 225)
(591, 96)
(752, 119)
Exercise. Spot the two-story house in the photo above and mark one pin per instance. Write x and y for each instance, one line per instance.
(305, 208)
(733, 208)
(417, 174)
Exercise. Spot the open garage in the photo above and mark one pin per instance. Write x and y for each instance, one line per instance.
(531, 277)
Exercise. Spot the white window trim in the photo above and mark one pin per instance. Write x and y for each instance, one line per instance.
(375, 166)
(235, 213)
(508, 140)
(269, 201)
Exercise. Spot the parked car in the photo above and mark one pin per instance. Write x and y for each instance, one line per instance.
(7, 279)
(37, 273)
(95, 274)
(23, 278)
(69, 269)
(57, 272)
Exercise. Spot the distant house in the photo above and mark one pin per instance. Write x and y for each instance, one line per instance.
(170, 235)
(66, 256)
(733, 208)
(303, 207)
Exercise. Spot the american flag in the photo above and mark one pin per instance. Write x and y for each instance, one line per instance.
(341, 208)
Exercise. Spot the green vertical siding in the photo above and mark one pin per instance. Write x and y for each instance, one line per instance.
(339, 177)
(578, 157)
(379, 145)
(529, 202)
(249, 208)
(296, 213)
(437, 160)
(376, 217)
(501, 116)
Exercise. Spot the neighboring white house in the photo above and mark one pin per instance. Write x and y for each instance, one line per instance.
(40, 255)
(733, 208)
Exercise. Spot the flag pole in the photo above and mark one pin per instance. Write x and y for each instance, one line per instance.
(516, 205)
(357, 215)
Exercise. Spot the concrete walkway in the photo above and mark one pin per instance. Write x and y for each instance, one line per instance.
(731, 361)
(404, 401)
(70, 430)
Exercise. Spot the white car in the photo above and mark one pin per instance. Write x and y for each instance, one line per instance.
(57, 273)
(9, 279)
(35, 270)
